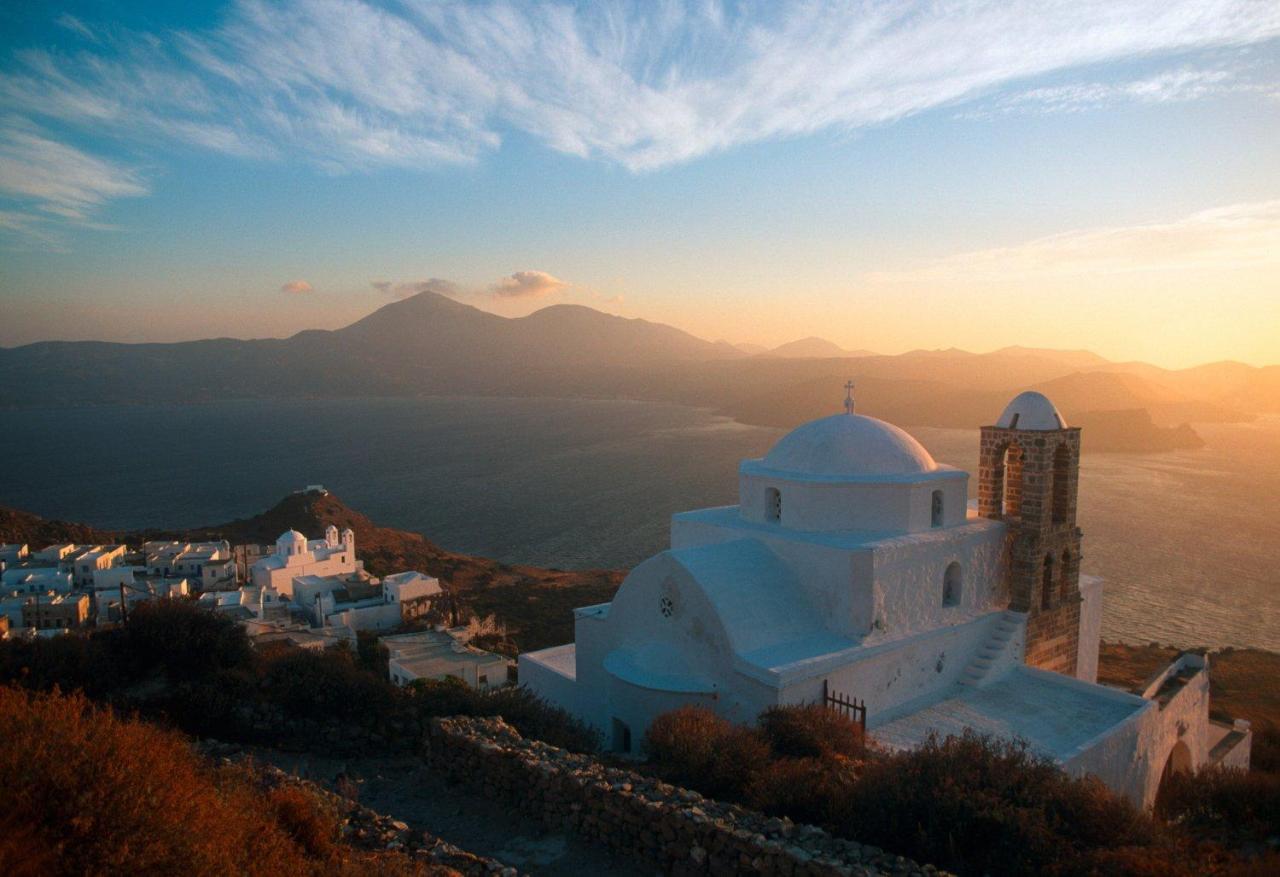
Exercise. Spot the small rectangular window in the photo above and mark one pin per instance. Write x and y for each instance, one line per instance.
(621, 736)
(773, 504)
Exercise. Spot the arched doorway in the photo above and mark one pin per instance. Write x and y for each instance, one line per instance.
(773, 505)
(1009, 483)
(1061, 483)
(951, 585)
(1177, 764)
(1046, 588)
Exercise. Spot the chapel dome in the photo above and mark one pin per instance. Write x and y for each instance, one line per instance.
(292, 537)
(1031, 410)
(849, 446)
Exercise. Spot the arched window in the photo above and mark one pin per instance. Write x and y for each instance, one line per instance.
(1064, 577)
(1010, 484)
(1046, 590)
(951, 585)
(936, 511)
(1061, 483)
(773, 505)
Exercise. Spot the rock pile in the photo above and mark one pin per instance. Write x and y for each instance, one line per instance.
(676, 829)
(366, 829)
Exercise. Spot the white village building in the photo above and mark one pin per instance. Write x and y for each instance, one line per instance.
(333, 555)
(210, 565)
(443, 654)
(853, 565)
(364, 603)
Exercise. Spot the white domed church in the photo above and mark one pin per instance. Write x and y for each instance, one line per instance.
(852, 568)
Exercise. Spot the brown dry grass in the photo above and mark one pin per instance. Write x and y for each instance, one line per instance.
(88, 792)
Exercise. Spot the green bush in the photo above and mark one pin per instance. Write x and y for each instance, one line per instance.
(327, 684)
(73, 663)
(519, 707)
(181, 639)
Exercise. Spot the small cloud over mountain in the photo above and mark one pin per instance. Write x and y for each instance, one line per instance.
(296, 286)
(524, 284)
(406, 289)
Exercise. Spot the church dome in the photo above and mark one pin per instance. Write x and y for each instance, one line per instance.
(849, 446)
(292, 537)
(1031, 410)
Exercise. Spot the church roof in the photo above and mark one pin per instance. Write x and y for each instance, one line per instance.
(1031, 410)
(291, 536)
(765, 613)
(849, 446)
(1055, 715)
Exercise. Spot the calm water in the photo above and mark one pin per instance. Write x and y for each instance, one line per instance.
(1189, 542)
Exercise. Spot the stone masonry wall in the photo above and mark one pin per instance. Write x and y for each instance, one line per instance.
(677, 830)
(1035, 491)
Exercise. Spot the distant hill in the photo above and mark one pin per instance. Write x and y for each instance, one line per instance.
(430, 344)
(423, 344)
(1076, 359)
(814, 348)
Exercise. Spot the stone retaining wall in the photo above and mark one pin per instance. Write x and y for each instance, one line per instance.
(676, 829)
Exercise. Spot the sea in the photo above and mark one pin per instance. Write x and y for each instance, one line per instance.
(1187, 541)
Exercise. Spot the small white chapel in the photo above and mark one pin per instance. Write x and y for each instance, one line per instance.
(295, 556)
(854, 569)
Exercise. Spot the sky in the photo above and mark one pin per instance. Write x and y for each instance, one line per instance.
(890, 176)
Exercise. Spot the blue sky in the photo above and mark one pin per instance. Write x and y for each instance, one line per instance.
(890, 176)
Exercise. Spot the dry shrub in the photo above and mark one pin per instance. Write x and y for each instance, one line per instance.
(1265, 754)
(814, 790)
(976, 805)
(1231, 807)
(695, 747)
(112, 795)
(311, 824)
(683, 739)
(811, 731)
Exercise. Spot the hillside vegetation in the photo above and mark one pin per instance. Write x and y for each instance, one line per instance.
(87, 791)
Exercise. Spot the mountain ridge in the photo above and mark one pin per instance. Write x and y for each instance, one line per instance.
(431, 344)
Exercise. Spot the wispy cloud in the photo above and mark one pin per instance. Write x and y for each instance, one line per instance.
(76, 26)
(347, 85)
(1234, 236)
(57, 179)
(405, 289)
(527, 284)
(521, 284)
(350, 84)
(1168, 86)
(295, 287)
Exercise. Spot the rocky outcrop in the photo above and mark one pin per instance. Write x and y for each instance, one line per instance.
(675, 829)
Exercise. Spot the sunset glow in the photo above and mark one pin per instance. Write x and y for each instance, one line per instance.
(1100, 176)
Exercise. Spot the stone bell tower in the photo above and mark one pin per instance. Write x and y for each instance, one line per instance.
(1028, 477)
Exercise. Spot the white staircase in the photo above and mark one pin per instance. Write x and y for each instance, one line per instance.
(994, 648)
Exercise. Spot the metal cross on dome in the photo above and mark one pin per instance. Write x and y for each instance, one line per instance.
(848, 397)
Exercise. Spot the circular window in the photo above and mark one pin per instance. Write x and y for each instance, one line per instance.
(667, 607)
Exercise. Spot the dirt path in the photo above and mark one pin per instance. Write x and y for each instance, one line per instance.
(405, 788)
